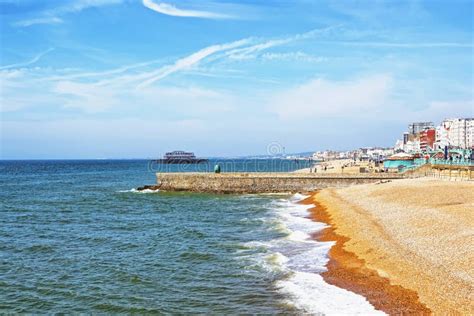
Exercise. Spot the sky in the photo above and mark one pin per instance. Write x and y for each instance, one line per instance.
(137, 78)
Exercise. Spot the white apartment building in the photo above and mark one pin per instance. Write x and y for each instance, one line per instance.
(455, 133)
(412, 146)
(442, 138)
(398, 145)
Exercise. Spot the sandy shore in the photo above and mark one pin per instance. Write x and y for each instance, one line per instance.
(407, 245)
(341, 166)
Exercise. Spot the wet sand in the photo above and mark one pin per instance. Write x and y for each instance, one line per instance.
(407, 245)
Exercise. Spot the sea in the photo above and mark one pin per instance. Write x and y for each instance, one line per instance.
(76, 237)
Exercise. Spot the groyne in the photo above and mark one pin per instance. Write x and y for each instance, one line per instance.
(262, 182)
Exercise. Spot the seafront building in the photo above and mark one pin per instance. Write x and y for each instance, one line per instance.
(418, 127)
(452, 139)
(362, 154)
(451, 142)
(427, 139)
(454, 133)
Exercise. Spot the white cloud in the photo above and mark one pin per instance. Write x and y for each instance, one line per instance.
(324, 98)
(189, 61)
(86, 92)
(27, 63)
(168, 9)
(250, 52)
(99, 91)
(80, 5)
(103, 73)
(94, 99)
(439, 110)
(45, 20)
(403, 45)
(53, 16)
(293, 56)
(371, 98)
(89, 98)
(83, 91)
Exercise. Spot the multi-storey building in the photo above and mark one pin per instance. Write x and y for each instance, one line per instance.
(470, 133)
(458, 133)
(417, 127)
(412, 146)
(442, 139)
(427, 139)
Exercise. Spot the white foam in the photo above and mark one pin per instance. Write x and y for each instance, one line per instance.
(303, 259)
(309, 293)
(298, 197)
(139, 191)
(299, 236)
(275, 262)
(313, 259)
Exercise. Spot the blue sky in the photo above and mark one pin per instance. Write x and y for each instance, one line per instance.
(130, 78)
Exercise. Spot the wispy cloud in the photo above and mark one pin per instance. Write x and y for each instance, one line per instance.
(293, 56)
(99, 91)
(27, 63)
(80, 5)
(250, 51)
(53, 16)
(45, 20)
(189, 61)
(403, 45)
(168, 9)
(94, 92)
(235, 50)
(105, 73)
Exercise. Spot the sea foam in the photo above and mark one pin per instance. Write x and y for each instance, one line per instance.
(311, 294)
(303, 259)
(139, 191)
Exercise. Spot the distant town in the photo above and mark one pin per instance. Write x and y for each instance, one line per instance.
(452, 141)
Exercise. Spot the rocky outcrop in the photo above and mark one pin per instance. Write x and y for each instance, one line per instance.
(149, 187)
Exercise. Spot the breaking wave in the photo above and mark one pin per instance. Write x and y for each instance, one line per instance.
(300, 260)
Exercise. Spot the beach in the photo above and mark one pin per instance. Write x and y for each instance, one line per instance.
(406, 245)
(348, 166)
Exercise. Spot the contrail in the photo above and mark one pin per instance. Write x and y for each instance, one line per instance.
(169, 9)
(32, 61)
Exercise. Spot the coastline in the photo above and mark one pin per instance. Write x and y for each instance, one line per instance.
(386, 250)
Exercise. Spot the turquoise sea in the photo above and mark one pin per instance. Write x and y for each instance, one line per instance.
(76, 238)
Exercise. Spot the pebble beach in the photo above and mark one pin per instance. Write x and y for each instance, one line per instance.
(406, 245)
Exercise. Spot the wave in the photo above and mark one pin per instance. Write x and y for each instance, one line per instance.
(303, 259)
(311, 294)
(139, 191)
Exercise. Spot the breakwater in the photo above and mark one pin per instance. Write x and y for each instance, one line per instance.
(262, 182)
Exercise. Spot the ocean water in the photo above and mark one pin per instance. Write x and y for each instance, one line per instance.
(76, 238)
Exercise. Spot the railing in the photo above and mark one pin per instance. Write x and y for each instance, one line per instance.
(454, 162)
(435, 161)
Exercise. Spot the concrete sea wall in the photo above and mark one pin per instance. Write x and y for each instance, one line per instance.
(262, 182)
